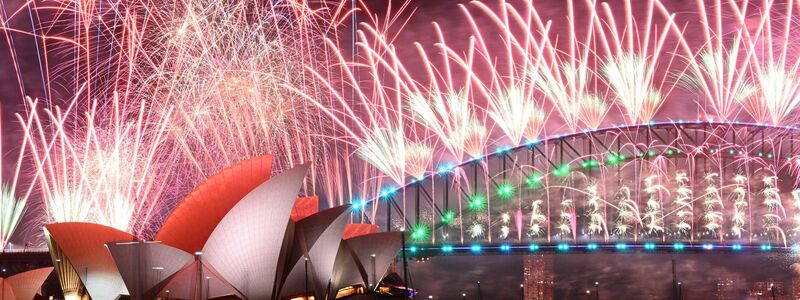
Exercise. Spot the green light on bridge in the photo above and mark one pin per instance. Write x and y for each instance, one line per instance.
(420, 233)
(614, 159)
(477, 202)
(590, 164)
(534, 180)
(562, 170)
(448, 217)
(505, 190)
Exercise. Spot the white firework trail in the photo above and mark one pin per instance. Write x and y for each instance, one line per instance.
(515, 113)
(504, 231)
(628, 212)
(566, 217)
(683, 202)
(653, 213)
(538, 219)
(780, 93)
(505, 217)
(718, 74)
(775, 65)
(568, 91)
(593, 111)
(634, 54)
(11, 210)
(475, 137)
(594, 211)
(712, 201)
(772, 201)
(564, 76)
(475, 230)
(739, 218)
(418, 158)
(627, 75)
(450, 116)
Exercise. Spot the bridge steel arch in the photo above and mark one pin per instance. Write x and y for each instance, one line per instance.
(691, 183)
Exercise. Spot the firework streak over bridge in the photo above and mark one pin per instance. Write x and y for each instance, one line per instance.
(136, 103)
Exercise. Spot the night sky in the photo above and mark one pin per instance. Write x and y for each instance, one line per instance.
(623, 276)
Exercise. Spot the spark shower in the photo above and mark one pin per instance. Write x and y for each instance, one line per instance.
(138, 102)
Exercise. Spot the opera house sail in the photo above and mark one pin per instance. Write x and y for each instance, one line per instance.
(242, 234)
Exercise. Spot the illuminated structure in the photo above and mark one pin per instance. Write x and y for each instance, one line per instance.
(767, 289)
(626, 184)
(263, 245)
(727, 288)
(538, 277)
(23, 286)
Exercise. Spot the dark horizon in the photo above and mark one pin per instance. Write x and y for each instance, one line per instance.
(621, 276)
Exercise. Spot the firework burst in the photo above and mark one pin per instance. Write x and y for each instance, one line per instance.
(633, 58)
(107, 170)
(12, 207)
(738, 220)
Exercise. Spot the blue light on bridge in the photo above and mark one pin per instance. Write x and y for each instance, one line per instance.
(708, 247)
(622, 246)
(447, 248)
(503, 149)
(447, 167)
(736, 247)
(649, 246)
(533, 247)
(475, 248)
(678, 246)
(413, 249)
(388, 192)
(562, 247)
(766, 247)
(795, 248)
(591, 246)
(358, 204)
(505, 247)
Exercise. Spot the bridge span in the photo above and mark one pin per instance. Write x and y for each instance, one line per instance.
(695, 183)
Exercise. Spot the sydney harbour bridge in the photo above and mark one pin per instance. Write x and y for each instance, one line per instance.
(687, 186)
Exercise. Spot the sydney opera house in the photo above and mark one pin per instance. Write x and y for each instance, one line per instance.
(242, 234)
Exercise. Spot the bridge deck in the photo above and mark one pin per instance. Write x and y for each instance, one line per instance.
(420, 251)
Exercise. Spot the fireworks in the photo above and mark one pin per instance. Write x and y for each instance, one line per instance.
(162, 96)
(739, 218)
(718, 73)
(451, 118)
(652, 217)
(683, 200)
(108, 171)
(596, 218)
(775, 210)
(712, 201)
(11, 209)
(537, 223)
